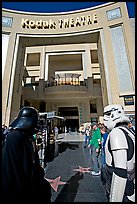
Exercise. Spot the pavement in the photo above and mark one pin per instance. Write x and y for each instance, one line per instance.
(67, 169)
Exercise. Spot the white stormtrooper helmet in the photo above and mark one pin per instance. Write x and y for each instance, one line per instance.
(114, 114)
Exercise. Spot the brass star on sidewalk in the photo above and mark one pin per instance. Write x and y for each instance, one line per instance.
(83, 170)
(55, 182)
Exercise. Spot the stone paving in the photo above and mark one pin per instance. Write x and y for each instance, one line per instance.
(67, 156)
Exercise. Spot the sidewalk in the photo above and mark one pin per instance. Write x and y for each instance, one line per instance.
(66, 157)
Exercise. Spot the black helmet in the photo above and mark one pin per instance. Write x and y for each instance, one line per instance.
(26, 120)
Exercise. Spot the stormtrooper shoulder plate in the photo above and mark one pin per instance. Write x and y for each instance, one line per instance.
(118, 139)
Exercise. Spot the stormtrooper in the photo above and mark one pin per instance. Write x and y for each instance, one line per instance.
(120, 156)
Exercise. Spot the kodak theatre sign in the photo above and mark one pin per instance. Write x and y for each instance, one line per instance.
(60, 23)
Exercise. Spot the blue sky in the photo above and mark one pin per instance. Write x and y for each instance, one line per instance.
(52, 7)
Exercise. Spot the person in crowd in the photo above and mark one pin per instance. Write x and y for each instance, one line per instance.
(5, 133)
(104, 133)
(120, 156)
(87, 136)
(56, 130)
(82, 130)
(99, 125)
(69, 129)
(131, 126)
(65, 129)
(22, 175)
(4, 130)
(95, 149)
(40, 146)
(39, 140)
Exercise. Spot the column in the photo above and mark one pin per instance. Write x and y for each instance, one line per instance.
(88, 61)
(46, 66)
(41, 87)
(105, 48)
(84, 66)
(80, 109)
(42, 63)
(15, 90)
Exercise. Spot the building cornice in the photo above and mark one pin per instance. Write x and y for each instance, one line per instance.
(59, 13)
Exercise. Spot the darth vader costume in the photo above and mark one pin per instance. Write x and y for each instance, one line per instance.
(120, 156)
(22, 175)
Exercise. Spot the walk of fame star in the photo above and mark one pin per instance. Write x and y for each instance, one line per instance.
(83, 170)
(54, 183)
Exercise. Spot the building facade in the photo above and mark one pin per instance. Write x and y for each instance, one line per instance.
(73, 63)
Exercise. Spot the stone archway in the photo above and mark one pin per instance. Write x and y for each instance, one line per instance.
(26, 41)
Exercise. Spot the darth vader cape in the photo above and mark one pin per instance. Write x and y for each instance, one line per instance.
(22, 175)
(17, 166)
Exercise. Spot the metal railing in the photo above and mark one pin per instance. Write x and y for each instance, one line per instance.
(62, 83)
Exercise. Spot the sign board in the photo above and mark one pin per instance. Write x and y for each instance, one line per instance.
(128, 100)
(50, 114)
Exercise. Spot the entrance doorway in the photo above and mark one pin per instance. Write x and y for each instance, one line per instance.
(71, 117)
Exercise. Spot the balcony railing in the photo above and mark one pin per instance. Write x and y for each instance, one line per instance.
(62, 83)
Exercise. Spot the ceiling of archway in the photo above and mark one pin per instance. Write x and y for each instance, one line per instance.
(73, 39)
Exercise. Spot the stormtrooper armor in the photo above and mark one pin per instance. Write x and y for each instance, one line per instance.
(120, 156)
(114, 114)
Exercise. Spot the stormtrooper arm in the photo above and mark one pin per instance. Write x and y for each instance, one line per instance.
(119, 177)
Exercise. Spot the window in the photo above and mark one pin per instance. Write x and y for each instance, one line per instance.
(93, 108)
(94, 56)
(33, 59)
(96, 81)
